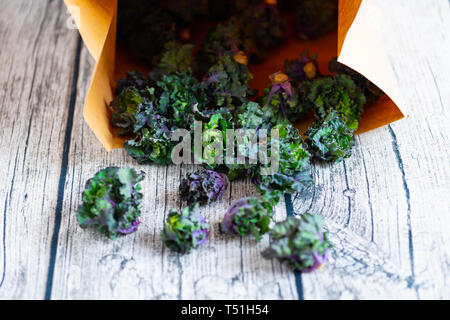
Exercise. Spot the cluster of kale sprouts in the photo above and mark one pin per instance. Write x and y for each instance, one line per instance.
(212, 87)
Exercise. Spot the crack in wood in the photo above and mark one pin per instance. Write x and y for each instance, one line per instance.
(63, 172)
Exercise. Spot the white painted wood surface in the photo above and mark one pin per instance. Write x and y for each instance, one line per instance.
(387, 208)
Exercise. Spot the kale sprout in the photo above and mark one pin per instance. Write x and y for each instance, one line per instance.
(294, 169)
(315, 18)
(133, 79)
(250, 115)
(281, 102)
(112, 202)
(227, 82)
(249, 215)
(151, 114)
(203, 187)
(223, 39)
(303, 69)
(186, 230)
(126, 107)
(337, 93)
(215, 130)
(175, 58)
(300, 243)
(371, 91)
(179, 93)
(330, 139)
(152, 143)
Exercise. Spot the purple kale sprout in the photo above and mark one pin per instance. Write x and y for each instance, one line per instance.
(112, 202)
(300, 243)
(228, 225)
(186, 230)
(204, 187)
(248, 215)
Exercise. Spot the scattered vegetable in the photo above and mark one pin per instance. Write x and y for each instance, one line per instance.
(331, 139)
(300, 243)
(337, 93)
(203, 187)
(175, 58)
(112, 202)
(186, 230)
(248, 216)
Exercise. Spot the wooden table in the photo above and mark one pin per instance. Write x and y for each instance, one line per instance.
(387, 208)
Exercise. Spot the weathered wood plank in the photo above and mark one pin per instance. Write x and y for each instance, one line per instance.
(390, 196)
(139, 266)
(37, 58)
(422, 144)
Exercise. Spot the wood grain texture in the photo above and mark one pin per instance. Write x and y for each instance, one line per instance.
(37, 65)
(386, 208)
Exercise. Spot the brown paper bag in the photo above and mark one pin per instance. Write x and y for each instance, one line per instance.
(357, 43)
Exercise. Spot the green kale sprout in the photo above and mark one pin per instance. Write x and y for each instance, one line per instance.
(337, 93)
(294, 169)
(204, 187)
(112, 202)
(330, 139)
(186, 230)
(249, 215)
(152, 143)
(176, 58)
(126, 107)
(179, 93)
(300, 243)
(215, 130)
(371, 91)
(250, 115)
(226, 82)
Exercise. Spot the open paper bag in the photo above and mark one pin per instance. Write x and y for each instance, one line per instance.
(357, 43)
